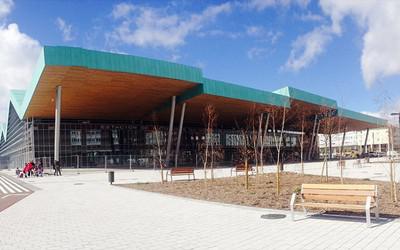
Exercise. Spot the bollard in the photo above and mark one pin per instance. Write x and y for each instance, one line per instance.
(111, 177)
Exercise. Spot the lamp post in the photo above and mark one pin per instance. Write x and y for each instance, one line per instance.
(395, 114)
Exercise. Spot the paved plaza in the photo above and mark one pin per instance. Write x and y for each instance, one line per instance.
(82, 211)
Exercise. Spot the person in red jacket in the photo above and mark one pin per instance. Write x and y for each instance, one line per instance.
(28, 168)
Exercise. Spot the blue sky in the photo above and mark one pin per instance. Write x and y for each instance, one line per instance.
(346, 51)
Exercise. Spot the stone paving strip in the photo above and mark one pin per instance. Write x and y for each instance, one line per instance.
(85, 212)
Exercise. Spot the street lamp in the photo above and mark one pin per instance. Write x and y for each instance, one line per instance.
(398, 114)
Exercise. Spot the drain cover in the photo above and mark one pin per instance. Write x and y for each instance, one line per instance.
(273, 216)
(78, 183)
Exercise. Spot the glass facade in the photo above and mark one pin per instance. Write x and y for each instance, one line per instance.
(94, 143)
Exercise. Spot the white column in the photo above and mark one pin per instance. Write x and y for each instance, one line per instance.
(171, 127)
(57, 124)
(178, 143)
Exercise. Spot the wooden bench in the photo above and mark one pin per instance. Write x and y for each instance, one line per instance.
(241, 168)
(181, 171)
(338, 196)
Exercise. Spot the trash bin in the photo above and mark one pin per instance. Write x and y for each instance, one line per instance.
(111, 177)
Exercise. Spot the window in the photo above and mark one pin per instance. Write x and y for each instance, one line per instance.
(152, 137)
(214, 139)
(115, 137)
(93, 137)
(76, 138)
(234, 140)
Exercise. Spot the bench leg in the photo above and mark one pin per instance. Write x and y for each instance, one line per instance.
(292, 201)
(377, 213)
(304, 209)
(368, 211)
(377, 210)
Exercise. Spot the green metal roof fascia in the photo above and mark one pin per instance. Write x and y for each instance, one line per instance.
(306, 97)
(188, 94)
(70, 56)
(17, 98)
(234, 91)
(40, 65)
(361, 117)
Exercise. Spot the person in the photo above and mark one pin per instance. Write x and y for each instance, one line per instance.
(57, 168)
(40, 168)
(27, 169)
(17, 171)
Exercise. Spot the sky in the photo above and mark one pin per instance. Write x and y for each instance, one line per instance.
(345, 50)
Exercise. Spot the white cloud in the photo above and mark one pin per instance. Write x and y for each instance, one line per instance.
(309, 16)
(146, 26)
(264, 4)
(66, 29)
(18, 56)
(262, 34)
(380, 23)
(220, 33)
(175, 57)
(257, 52)
(5, 8)
(122, 10)
(307, 47)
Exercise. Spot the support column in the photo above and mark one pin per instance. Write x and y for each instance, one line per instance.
(171, 127)
(342, 146)
(330, 146)
(312, 138)
(178, 143)
(365, 143)
(57, 124)
(315, 145)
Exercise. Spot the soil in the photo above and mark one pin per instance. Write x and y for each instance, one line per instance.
(261, 192)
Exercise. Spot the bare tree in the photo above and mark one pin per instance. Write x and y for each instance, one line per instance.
(329, 125)
(278, 144)
(156, 132)
(263, 136)
(209, 119)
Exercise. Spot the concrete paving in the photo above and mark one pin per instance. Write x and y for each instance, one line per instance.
(82, 211)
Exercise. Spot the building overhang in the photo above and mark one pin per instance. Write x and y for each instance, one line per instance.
(108, 86)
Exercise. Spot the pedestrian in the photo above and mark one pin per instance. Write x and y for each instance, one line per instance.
(57, 168)
(40, 168)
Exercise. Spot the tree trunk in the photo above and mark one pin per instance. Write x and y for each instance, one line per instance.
(302, 146)
(246, 166)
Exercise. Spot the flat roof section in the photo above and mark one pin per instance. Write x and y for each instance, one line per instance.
(103, 85)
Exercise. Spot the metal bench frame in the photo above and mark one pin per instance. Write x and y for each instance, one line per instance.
(348, 192)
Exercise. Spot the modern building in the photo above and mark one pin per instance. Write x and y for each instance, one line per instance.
(378, 140)
(90, 108)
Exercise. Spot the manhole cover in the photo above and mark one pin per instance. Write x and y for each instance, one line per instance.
(273, 216)
(78, 183)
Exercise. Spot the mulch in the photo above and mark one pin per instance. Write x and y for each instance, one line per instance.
(261, 192)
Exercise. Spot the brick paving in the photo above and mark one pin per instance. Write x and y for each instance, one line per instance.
(85, 212)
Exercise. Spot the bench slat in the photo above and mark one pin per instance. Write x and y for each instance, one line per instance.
(178, 171)
(333, 205)
(336, 198)
(340, 186)
(339, 192)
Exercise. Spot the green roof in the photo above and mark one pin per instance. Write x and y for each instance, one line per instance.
(361, 117)
(235, 91)
(70, 56)
(304, 96)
